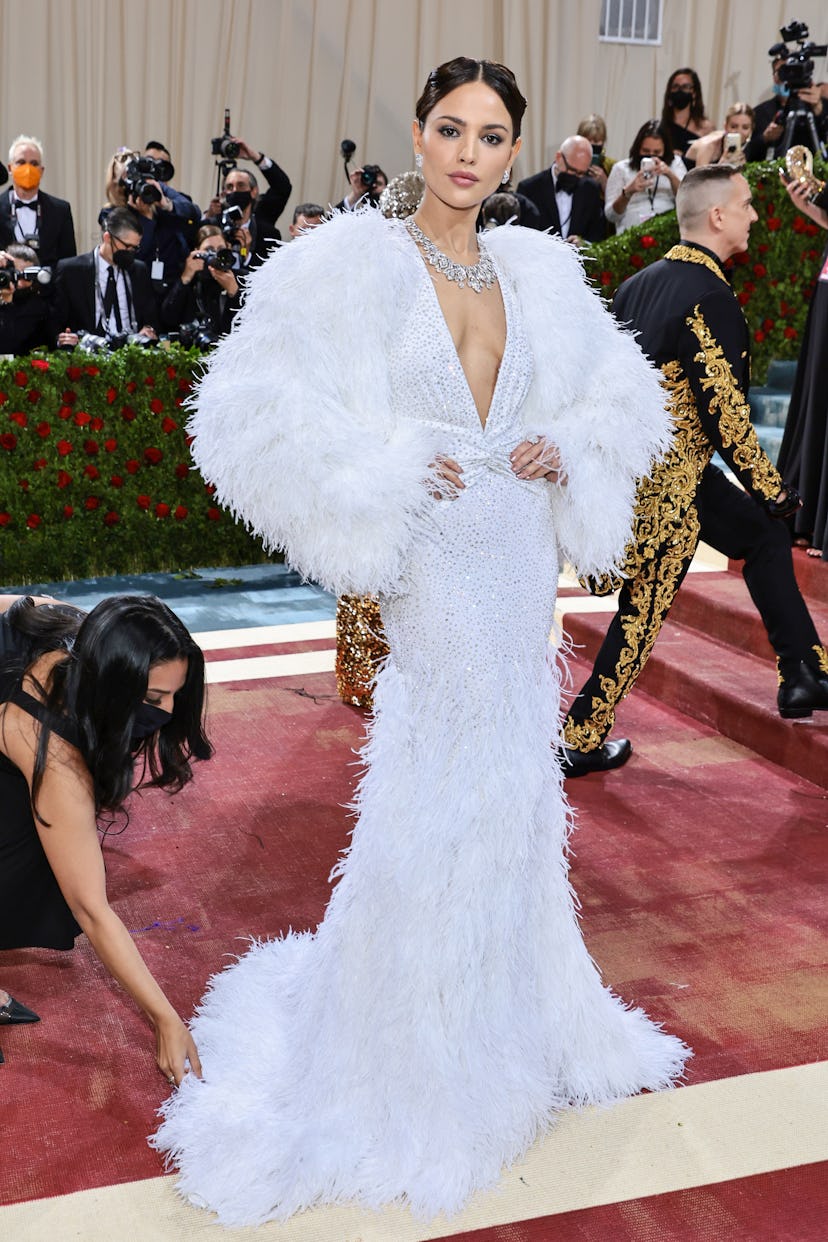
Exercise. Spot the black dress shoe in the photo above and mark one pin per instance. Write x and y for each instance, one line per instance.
(803, 692)
(13, 1012)
(604, 759)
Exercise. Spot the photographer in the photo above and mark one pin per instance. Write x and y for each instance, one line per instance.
(169, 219)
(23, 312)
(254, 231)
(645, 184)
(205, 292)
(794, 92)
(182, 203)
(30, 216)
(367, 184)
(106, 292)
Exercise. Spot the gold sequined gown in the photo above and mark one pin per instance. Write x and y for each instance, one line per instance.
(446, 1008)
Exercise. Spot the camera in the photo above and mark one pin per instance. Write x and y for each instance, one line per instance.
(96, 343)
(197, 333)
(222, 260)
(229, 223)
(10, 275)
(797, 68)
(647, 167)
(139, 174)
(225, 146)
(369, 175)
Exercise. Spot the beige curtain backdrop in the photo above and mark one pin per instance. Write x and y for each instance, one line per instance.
(87, 76)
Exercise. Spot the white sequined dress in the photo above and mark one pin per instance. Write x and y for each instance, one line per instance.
(446, 1008)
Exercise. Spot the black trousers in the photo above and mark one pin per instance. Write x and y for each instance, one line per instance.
(735, 524)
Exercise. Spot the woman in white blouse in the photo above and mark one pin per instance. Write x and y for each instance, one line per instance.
(635, 194)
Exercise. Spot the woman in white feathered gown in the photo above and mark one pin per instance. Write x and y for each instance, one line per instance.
(442, 446)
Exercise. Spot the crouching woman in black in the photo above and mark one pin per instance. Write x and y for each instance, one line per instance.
(91, 707)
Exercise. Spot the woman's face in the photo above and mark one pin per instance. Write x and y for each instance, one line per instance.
(466, 145)
(682, 82)
(652, 146)
(164, 682)
(740, 123)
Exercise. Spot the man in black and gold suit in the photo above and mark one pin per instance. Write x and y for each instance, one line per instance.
(690, 324)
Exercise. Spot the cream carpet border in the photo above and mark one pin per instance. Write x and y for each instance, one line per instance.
(647, 1145)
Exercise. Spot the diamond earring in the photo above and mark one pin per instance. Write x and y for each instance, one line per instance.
(506, 176)
(418, 161)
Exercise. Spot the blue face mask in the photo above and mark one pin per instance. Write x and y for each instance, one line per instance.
(781, 89)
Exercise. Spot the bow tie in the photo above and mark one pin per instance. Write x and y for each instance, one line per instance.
(18, 203)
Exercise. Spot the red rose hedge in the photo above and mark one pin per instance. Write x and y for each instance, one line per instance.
(773, 282)
(99, 478)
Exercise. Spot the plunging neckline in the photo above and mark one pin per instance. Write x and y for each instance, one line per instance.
(506, 341)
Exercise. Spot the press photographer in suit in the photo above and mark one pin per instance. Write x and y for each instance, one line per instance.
(24, 311)
(256, 230)
(30, 216)
(568, 200)
(106, 291)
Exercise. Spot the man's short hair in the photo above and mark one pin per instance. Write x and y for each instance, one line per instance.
(19, 250)
(311, 211)
(700, 190)
(251, 177)
(122, 220)
(152, 145)
(26, 140)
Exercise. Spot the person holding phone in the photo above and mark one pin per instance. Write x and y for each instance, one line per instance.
(645, 184)
(726, 146)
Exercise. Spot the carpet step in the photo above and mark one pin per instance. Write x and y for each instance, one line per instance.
(720, 686)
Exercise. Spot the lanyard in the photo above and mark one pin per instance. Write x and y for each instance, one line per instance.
(18, 227)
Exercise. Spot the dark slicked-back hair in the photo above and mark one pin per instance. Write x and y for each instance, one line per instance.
(453, 73)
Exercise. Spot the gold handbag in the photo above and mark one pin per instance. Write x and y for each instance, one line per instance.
(800, 165)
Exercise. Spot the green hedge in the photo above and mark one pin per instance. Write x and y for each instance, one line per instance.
(773, 281)
(95, 469)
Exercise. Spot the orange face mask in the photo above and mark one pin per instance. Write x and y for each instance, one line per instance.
(27, 176)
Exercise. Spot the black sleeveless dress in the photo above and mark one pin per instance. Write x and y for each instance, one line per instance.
(33, 912)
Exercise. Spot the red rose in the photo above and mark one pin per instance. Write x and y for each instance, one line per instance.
(69, 397)
(606, 278)
(116, 481)
(65, 411)
(39, 364)
(111, 394)
(64, 448)
(92, 502)
(143, 502)
(214, 514)
(171, 372)
(92, 472)
(24, 485)
(156, 405)
(90, 447)
(647, 242)
(188, 440)
(759, 270)
(798, 224)
(3, 398)
(21, 379)
(127, 413)
(111, 518)
(8, 440)
(5, 519)
(96, 424)
(636, 260)
(210, 488)
(40, 463)
(131, 386)
(73, 373)
(63, 479)
(774, 224)
(43, 430)
(184, 385)
(811, 229)
(767, 324)
(33, 395)
(759, 336)
(790, 333)
(150, 381)
(162, 510)
(82, 418)
(180, 513)
(763, 247)
(19, 418)
(182, 470)
(168, 425)
(153, 456)
(133, 466)
(110, 445)
(91, 369)
(743, 298)
(68, 511)
(33, 521)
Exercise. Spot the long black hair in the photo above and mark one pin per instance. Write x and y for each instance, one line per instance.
(652, 129)
(453, 73)
(697, 112)
(101, 682)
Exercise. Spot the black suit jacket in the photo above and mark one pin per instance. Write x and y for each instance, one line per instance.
(587, 221)
(57, 232)
(73, 302)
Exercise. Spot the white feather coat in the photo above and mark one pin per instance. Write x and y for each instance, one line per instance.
(294, 424)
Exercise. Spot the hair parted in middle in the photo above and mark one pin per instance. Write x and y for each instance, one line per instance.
(458, 72)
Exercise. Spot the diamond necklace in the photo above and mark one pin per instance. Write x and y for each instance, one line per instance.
(481, 275)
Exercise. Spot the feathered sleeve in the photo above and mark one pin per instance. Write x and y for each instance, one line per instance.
(594, 395)
(292, 420)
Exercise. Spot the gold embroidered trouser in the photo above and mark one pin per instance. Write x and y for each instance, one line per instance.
(360, 646)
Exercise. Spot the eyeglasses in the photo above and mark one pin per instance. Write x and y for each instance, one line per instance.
(575, 171)
(125, 245)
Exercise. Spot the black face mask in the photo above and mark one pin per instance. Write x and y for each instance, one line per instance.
(239, 198)
(568, 182)
(680, 98)
(123, 259)
(148, 720)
